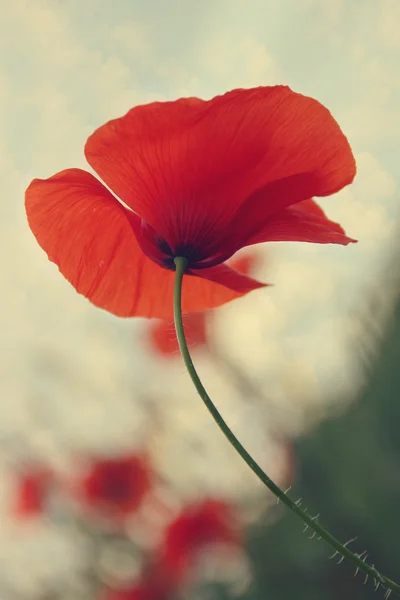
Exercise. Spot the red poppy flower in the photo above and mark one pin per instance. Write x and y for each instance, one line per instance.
(205, 524)
(162, 333)
(31, 493)
(199, 179)
(117, 487)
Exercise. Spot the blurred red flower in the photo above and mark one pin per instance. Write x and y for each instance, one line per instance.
(116, 487)
(162, 333)
(204, 524)
(199, 179)
(31, 492)
(163, 337)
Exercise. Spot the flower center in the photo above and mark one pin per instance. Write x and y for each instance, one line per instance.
(198, 256)
(187, 251)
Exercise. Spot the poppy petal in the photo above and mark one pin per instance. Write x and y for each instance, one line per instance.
(302, 222)
(86, 232)
(89, 235)
(143, 157)
(165, 160)
(228, 277)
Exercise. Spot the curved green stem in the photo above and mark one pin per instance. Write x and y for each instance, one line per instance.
(311, 522)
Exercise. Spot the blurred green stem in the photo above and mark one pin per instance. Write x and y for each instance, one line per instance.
(311, 522)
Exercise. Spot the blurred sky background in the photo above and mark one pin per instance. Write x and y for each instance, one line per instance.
(69, 370)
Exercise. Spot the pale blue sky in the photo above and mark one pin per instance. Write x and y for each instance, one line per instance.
(67, 66)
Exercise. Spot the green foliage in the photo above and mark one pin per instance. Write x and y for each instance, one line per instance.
(348, 470)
